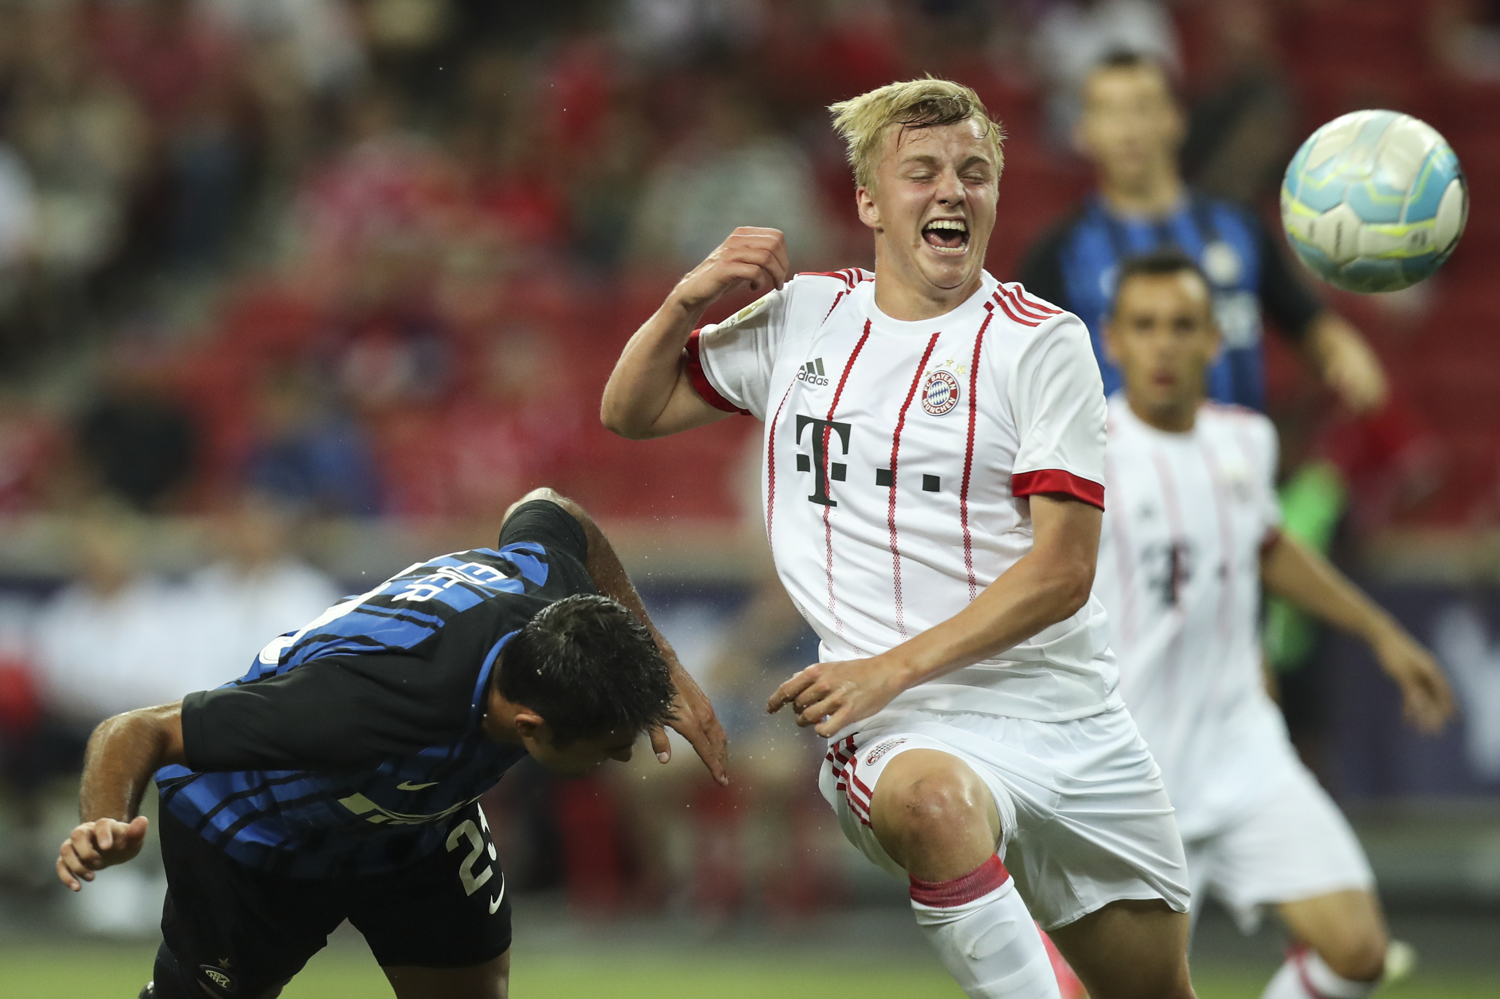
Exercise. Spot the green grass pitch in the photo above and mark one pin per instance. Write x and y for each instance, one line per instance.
(55, 972)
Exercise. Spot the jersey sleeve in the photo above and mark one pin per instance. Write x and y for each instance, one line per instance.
(1057, 400)
(333, 713)
(549, 525)
(1283, 295)
(730, 363)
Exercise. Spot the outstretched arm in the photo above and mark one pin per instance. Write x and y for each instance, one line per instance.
(123, 753)
(649, 393)
(1292, 570)
(1345, 363)
(692, 715)
(1048, 584)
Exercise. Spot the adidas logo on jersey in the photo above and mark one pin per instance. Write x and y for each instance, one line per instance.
(812, 373)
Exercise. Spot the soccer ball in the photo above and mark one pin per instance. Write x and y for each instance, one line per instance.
(1374, 201)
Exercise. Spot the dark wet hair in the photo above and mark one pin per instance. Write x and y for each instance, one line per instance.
(588, 666)
(1157, 263)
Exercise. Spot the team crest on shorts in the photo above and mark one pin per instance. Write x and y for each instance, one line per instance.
(940, 394)
(880, 750)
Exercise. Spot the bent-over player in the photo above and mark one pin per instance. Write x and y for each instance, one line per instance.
(934, 460)
(1190, 538)
(339, 777)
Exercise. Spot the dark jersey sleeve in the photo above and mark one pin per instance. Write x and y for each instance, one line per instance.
(333, 713)
(1284, 296)
(1042, 270)
(550, 526)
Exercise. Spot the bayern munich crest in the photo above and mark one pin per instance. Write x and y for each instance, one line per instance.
(940, 394)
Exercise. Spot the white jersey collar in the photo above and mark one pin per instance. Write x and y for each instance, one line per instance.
(970, 312)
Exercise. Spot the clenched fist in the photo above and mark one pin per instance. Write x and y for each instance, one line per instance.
(96, 845)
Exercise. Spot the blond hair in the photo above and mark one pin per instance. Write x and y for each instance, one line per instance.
(862, 121)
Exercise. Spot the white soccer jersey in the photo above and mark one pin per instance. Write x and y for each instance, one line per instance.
(898, 459)
(1179, 572)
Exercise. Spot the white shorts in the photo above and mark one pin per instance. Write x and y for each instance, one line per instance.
(1085, 820)
(1296, 845)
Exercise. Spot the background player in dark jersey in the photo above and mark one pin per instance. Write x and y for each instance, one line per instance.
(1132, 127)
(339, 777)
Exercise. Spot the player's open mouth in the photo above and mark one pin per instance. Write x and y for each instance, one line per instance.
(946, 235)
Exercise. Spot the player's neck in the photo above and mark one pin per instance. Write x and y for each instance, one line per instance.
(1153, 196)
(904, 294)
(1177, 417)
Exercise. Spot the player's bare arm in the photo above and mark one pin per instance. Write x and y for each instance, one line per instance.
(693, 714)
(649, 394)
(1292, 570)
(123, 753)
(1047, 585)
(1346, 363)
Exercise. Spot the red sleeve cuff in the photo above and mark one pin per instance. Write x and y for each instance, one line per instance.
(1055, 480)
(701, 383)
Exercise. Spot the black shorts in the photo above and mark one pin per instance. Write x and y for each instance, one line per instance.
(239, 930)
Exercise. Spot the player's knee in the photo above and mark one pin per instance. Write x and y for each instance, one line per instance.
(1358, 957)
(935, 812)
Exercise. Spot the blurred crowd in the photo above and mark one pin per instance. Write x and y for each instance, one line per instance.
(271, 260)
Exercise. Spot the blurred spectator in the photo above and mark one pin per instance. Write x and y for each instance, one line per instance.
(135, 439)
(85, 140)
(17, 212)
(29, 443)
(186, 72)
(1241, 126)
(257, 589)
(104, 643)
(309, 454)
(1465, 37)
(732, 170)
(1073, 36)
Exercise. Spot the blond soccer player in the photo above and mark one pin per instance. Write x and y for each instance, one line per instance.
(934, 460)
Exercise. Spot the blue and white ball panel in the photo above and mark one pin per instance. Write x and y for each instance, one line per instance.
(1374, 201)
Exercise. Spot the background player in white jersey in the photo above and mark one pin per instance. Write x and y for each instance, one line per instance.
(1190, 537)
(933, 485)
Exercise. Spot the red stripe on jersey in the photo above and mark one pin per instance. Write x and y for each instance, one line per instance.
(1226, 542)
(700, 381)
(771, 469)
(836, 299)
(1055, 480)
(1035, 304)
(963, 492)
(1001, 301)
(1021, 306)
(838, 625)
(890, 517)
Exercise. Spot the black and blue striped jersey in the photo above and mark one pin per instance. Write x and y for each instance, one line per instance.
(1075, 266)
(350, 742)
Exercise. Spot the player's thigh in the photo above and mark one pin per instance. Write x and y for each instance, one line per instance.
(490, 980)
(230, 929)
(933, 814)
(1130, 949)
(1346, 928)
(447, 911)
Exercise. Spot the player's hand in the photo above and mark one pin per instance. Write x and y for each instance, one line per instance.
(1427, 701)
(831, 696)
(1350, 368)
(693, 718)
(96, 845)
(750, 256)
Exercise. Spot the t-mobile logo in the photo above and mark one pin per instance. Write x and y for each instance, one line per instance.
(812, 372)
(818, 461)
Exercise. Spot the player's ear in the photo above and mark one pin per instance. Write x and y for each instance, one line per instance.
(528, 723)
(869, 213)
(1107, 339)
